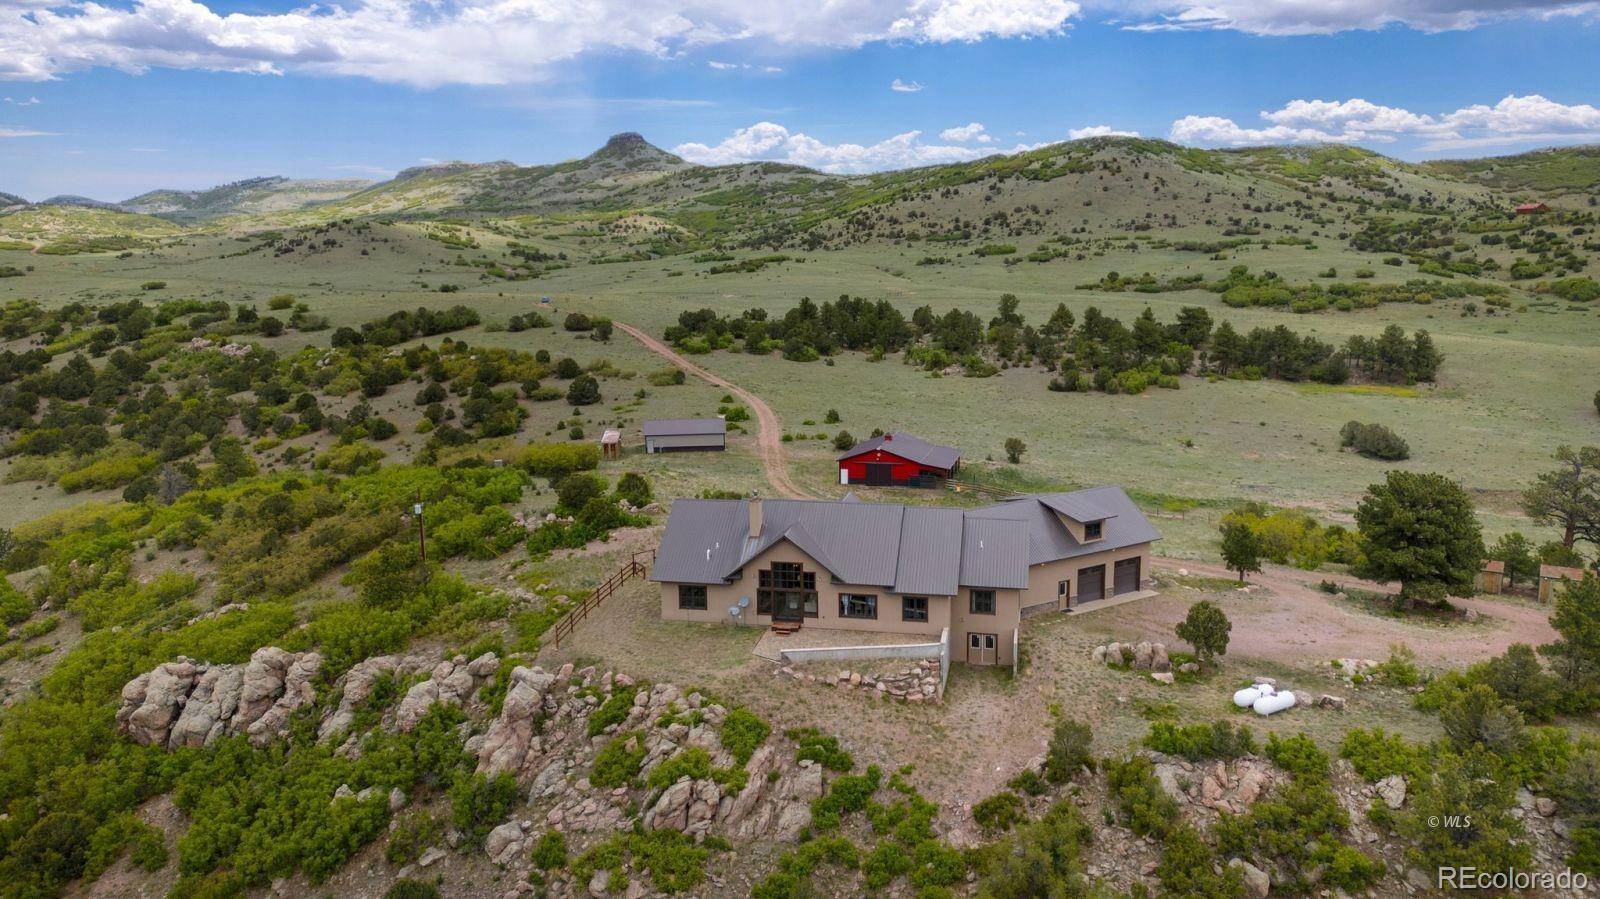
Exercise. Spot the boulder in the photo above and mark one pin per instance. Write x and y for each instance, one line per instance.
(1098, 656)
(211, 706)
(505, 745)
(1164, 677)
(504, 841)
(151, 702)
(1329, 701)
(1392, 790)
(1159, 661)
(1142, 655)
(1257, 885)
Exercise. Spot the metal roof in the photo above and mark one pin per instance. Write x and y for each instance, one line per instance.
(682, 427)
(1049, 539)
(906, 549)
(908, 447)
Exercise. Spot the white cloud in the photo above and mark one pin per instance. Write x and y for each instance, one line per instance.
(31, 101)
(1099, 131)
(773, 142)
(904, 87)
(1289, 17)
(1513, 119)
(433, 42)
(966, 133)
(24, 132)
(744, 66)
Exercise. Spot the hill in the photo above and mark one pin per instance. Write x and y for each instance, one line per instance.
(1554, 169)
(251, 196)
(75, 200)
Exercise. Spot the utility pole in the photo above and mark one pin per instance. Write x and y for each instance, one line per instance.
(422, 537)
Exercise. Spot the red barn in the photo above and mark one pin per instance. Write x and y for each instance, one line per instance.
(1531, 208)
(898, 460)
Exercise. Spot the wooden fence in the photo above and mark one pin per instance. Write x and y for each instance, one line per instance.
(638, 565)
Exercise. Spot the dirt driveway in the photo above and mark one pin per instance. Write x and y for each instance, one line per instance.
(1286, 619)
(769, 437)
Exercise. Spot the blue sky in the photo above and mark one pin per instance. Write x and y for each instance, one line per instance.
(110, 100)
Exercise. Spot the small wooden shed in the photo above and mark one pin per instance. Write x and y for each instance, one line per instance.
(1531, 208)
(1492, 577)
(1553, 580)
(611, 444)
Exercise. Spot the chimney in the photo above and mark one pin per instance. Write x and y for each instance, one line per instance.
(754, 505)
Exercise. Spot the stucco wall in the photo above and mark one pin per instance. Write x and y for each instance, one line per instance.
(943, 611)
(1044, 580)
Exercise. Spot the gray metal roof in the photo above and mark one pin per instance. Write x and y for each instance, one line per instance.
(906, 549)
(907, 446)
(682, 427)
(1049, 539)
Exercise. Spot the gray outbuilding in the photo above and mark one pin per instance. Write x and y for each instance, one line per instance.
(676, 435)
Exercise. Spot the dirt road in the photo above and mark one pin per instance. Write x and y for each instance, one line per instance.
(1293, 622)
(769, 434)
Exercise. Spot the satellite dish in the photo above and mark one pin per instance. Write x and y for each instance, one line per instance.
(744, 602)
(733, 611)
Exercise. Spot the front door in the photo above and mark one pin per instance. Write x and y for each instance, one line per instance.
(982, 649)
(879, 474)
(789, 606)
(1091, 583)
(1127, 576)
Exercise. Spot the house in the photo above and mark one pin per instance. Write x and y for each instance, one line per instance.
(912, 570)
(1491, 577)
(673, 435)
(1553, 580)
(898, 460)
(1531, 208)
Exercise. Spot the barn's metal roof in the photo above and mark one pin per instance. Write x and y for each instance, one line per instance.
(683, 427)
(905, 549)
(908, 447)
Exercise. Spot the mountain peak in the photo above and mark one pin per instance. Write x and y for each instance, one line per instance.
(627, 141)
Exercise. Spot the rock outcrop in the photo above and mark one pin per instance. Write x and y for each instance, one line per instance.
(188, 703)
(453, 682)
(507, 743)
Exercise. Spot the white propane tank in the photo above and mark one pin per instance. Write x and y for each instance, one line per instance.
(1247, 697)
(1277, 702)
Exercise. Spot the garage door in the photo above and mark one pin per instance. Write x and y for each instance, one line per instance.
(1091, 583)
(1127, 576)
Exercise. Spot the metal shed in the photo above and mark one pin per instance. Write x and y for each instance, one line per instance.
(672, 435)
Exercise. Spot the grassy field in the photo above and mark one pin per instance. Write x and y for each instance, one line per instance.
(1511, 388)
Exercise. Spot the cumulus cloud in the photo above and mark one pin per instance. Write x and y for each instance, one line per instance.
(904, 87)
(1292, 17)
(966, 133)
(772, 142)
(1099, 131)
(433, 42)
(1513, 119)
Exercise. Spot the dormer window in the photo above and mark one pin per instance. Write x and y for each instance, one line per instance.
(1092, 530)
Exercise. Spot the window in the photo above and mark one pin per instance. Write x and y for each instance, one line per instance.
(786, 590)
(914, 608)
(982, 602)
(856, 605)
(1061, 588)
(1091, 531)
(692, 597)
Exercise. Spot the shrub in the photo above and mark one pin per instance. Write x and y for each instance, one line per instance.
(411, 834)
(1218, 740)
(848, 793)
(1373, 441)
(1376, 755)
(824, 750)
(1468, 789)
(411, 888)
(1041, 859)
(575, 490)
(844, 441)
(1069, 750)
(999, 813)
(1400, 669)
(743, 733)
(1188, 868)
(550, 852)
(1297, 755)
(633, 487)
(1028, 781)
(479, 803)
(613, 711)
(556, 460)
(1477, 716)
(618, 763)
(1144, 807)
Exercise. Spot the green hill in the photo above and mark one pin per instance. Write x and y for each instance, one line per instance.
(251, 196)
(1555, 169)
